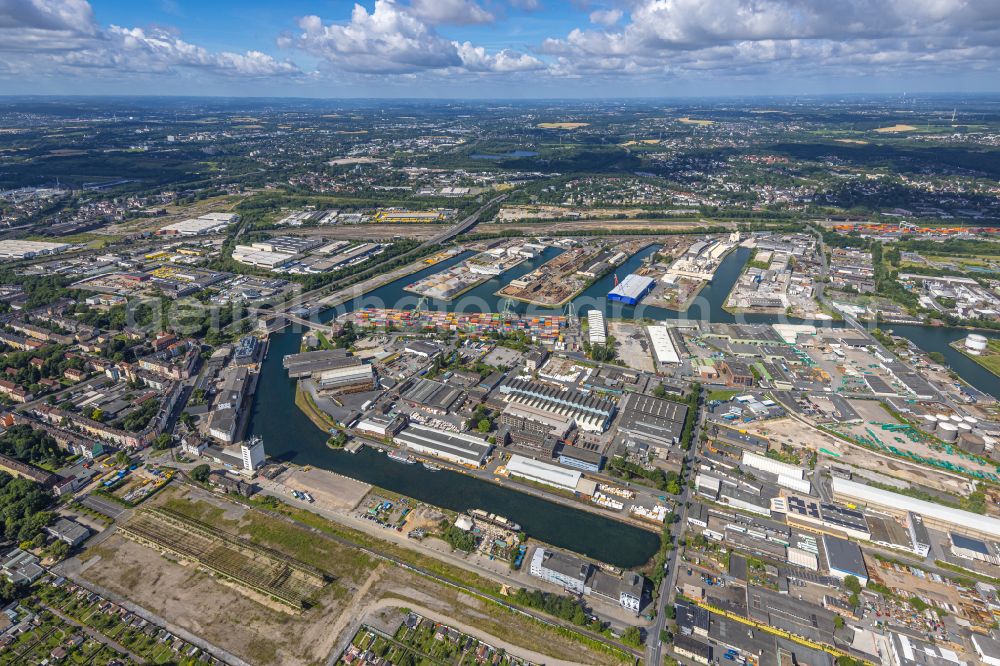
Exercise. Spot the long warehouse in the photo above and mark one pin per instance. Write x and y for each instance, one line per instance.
(452, 446)
(663, 346)
(934, 515)
(551, 475)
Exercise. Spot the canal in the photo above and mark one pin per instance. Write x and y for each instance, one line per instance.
(289, 436)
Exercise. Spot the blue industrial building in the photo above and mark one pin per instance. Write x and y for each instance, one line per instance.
(632, 289)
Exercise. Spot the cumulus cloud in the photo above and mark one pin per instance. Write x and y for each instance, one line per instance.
(456, 12)
(45, 25)
(64, 34)
(397, 39)
(740, 36)
(476, 59)
(605, 17)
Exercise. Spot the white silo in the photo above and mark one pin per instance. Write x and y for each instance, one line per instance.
(948, 431)
(976, 344)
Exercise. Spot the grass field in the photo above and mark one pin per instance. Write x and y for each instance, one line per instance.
(562, 125)
(989, 359)
(696, 121)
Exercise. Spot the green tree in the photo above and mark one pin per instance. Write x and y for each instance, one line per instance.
(162, 441)
(853, 584)
(200, 473)
(632, 637)
(59, 550)
(484, 426)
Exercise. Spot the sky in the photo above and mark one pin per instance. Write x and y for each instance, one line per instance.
(498, 48)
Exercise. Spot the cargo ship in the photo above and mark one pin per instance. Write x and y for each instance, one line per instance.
(493, 518)
(399, 456)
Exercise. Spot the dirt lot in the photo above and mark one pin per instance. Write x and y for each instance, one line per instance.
(633, 346)
(264, 633)
(792, 432)
(331, 490)
(220, 613)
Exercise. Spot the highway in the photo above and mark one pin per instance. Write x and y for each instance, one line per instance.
(464, 225)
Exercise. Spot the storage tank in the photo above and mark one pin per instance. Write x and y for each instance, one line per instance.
(948, 432)
(971, 420)
(955, 418)
(963, 427)
(929, 422)
(943, 417)
(975, 343)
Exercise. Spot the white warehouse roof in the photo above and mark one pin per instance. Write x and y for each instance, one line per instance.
(773, 466)
(598, 331)
(884, 498)
(663, 346)
(534, 470)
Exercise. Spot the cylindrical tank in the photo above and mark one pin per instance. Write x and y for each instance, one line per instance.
(943, 417)
(948, 432)
(963, 427)
(930, 422)
(955, 418)
(975, 343)
(971, 420)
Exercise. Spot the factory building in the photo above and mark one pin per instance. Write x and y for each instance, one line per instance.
(423, 349)
(24, 249)
(564, 570)
(972, 549)
(826, 517)
(534, 430)
(381, 426)
(432, 396)
(653, 420)
(348, 379)
(206, 224)
(589, 412)
(844, 558)
(546, 473)
(632, 289)
(664, 349)
(934, 515)
(532, 419)
(72, 533)
(451, 446)
(776, 467)
(308, 363)
(583, 578)
(580, 458)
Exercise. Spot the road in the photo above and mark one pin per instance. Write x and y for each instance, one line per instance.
(654, 646)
